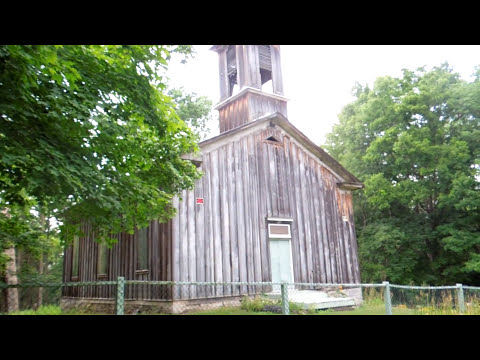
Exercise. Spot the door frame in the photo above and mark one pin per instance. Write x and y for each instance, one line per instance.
(273, 237)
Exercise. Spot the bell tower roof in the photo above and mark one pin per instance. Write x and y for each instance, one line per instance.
(250, 84)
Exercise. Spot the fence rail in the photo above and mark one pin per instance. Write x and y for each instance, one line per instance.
(158, 297)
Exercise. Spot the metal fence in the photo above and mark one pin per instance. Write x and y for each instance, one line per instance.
(124, 297)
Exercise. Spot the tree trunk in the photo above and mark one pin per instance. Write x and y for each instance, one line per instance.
(11, 279)
(40, 266)
(40, 288)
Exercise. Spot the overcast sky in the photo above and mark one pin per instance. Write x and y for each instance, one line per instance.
(318, 79)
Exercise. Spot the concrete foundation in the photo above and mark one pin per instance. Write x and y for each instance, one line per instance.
(133, 307)
(326, 298)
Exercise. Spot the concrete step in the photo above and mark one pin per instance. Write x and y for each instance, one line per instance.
(311, 299)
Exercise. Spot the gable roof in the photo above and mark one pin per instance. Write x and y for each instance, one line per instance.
(350, 182)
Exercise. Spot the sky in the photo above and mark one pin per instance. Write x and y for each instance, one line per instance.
(318, 79)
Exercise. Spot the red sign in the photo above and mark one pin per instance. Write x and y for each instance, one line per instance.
(199, 200)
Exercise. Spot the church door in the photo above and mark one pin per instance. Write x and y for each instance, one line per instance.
(280, 253)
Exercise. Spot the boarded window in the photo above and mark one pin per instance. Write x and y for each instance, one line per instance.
(279, 230)
(102, 261)
(75, 256)
(142, 249)
(265, 62)
(265, 57)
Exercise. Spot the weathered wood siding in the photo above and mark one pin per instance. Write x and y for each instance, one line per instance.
(247, 107)
(122, 259)
(234, 114)
(247, 180)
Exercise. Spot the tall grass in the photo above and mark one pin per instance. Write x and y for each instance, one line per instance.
(262, 304)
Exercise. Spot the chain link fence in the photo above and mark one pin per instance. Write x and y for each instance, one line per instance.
(128, 297)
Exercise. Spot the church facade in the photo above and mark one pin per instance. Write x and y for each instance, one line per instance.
(271, 205)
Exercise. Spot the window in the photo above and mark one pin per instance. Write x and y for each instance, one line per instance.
(279, 231)
(75, 256)
(265, 60)
(142, 249)
(273, 139)
(232, 70)
(102, 260)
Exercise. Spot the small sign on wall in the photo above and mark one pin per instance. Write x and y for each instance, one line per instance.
(199, 201)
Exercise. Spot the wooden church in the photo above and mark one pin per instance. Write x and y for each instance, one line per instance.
(271, 206)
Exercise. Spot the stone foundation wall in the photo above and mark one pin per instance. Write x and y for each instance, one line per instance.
(133, 307)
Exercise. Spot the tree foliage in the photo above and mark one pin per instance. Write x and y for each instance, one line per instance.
(415, 143)
(87, 132)
(194, 110)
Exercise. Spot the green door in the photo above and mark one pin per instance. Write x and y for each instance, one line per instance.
(281, 261)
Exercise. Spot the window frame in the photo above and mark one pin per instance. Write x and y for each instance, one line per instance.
(279, 236)
(75, 266)
(102, 249)
(138, 261)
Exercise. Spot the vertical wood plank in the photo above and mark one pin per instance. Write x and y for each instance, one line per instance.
(338, 234)
(217, 243)
(290, 207)
(331, 226)
(297, 170)
(312, 238)
(262, 210)
(183, 238)
(348, 276)
(209, 259)
(232, 210)
(200, 236)
(192, 254)
(293, 193)
(272, 180)
(324, 228)
(247, 210)
(303, 160)
(266, 176)
(255, 216)
(176, 276)
(356, 264)
(320, 249)
(163, 254)
(279, 153)
(240, 216)
(224, 220)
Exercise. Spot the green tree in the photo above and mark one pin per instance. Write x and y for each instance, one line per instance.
(194, 110)
(87, 132)
(415, 143)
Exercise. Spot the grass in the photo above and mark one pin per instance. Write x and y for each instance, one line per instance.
(262, 306)
(48, 310)
(368, 308)
(232, 311)
(371, 307)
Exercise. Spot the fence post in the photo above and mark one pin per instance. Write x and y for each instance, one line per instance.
(120, 295)
(285, 306)
(387, 299)
(461, 299)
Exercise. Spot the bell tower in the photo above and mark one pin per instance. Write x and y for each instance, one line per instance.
(250, 84)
